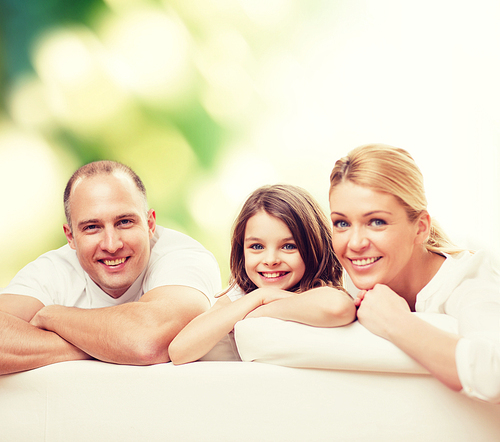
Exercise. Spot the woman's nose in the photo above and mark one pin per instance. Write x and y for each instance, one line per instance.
(358, 239)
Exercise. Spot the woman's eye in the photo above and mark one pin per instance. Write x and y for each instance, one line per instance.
(341, 224)
(290, 247)
(377, 222)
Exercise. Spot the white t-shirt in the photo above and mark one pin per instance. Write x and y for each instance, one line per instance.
(467, 287)
(225, 349)
(57, 277)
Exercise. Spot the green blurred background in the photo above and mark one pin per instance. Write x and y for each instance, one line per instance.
(207, 100)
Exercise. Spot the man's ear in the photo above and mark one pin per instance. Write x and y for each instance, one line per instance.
(151, 222)
(423, 227)
(69, 236)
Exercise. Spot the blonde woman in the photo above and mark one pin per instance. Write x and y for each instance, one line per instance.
(401, 261)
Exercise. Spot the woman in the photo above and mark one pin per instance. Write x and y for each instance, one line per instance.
(402, 261)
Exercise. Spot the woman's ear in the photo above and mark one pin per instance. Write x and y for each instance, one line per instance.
(423, 225)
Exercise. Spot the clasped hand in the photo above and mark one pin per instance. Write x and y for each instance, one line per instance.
(379, 308)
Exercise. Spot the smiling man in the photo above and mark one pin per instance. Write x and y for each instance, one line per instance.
(119, 291)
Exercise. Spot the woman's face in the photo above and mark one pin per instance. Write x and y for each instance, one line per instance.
(372, 236)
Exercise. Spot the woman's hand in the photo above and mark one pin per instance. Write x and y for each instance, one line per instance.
(379, 307)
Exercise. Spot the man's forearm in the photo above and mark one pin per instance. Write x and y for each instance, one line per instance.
(105, 333)
(135, 333)
(24, 347)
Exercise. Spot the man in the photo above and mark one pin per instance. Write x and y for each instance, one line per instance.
(119, 291)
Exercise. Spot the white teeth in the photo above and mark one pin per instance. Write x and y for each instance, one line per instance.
(363, 262)
(114, 262)
(272, 275)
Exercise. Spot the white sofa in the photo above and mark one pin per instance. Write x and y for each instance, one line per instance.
(366, 398)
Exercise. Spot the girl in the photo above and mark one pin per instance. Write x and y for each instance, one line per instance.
(281, 246)
(402, 261)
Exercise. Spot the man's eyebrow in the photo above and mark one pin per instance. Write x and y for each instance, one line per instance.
(87, 222)
(127, 215)
(97, 221)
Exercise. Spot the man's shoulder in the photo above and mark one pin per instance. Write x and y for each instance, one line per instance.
(64, 258)
(50, 277)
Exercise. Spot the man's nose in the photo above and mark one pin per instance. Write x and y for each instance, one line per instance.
(111, 241)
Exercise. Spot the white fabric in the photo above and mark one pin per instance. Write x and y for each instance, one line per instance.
(84, 401)
(225, 349)
(56, 277)
(467, 288)
(351, 347)
(466, 291)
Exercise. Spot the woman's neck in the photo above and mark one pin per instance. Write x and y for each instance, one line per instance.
(417, 274)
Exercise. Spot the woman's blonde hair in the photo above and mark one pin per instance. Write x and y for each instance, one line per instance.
(392, 170)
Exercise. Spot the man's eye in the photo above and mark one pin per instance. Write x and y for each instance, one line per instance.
(90, 227)
(125, 222)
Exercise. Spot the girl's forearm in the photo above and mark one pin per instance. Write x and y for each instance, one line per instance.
(320, 307)
(206, 330)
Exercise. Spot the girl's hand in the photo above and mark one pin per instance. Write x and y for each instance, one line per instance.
(378, 308)
(267, 295)
(359, 298)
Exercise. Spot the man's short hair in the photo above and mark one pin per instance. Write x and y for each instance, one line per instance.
(104, 167)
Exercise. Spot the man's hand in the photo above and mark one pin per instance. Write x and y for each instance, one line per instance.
(135, 333)
(23, 346)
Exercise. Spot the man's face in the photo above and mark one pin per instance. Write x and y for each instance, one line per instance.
(110, 230)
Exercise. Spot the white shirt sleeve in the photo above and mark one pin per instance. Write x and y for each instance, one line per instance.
(180, 260)
(478, 351)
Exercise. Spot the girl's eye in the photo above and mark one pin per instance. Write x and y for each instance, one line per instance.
(290, 247)
(341, 224)
(256, 247)
(377, 222)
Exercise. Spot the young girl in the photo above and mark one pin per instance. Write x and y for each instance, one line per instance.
(282, 265)
(402, 261)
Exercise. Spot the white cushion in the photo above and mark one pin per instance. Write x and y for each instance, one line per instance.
(351, 347)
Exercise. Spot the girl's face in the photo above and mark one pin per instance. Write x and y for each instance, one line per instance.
(372, 236)
(272, 258)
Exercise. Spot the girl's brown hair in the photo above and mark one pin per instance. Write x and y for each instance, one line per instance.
(392, 170)
(310, 229)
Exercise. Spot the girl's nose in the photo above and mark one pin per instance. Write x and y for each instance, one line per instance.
(271, 258)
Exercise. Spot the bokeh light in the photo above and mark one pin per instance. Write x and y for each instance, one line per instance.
(209, 100)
